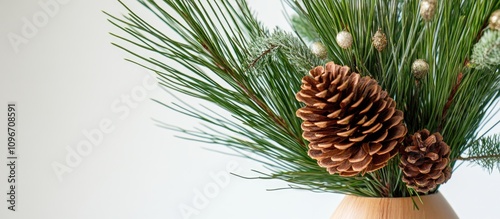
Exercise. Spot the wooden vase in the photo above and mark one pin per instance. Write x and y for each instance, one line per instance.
(434, 206)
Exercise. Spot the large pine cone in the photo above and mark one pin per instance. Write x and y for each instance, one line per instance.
(425, 161)
(352, 125)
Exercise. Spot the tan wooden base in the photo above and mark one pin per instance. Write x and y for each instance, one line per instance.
(434, 206)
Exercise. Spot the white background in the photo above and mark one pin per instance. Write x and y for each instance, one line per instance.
(67, 78)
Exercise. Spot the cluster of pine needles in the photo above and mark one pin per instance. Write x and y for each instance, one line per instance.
(223, 55)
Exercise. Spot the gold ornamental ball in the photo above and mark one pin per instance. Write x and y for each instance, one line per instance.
(319, 50)
(419, 68)
(379, 40)
(428, 9)
(344, 39)
(495, 20)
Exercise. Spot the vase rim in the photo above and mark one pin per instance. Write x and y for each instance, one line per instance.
(369, 197)
(431, 206)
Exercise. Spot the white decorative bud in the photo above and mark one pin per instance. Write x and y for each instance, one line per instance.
(344, 39)
(428, 9)
(319, 50)
(494, 22)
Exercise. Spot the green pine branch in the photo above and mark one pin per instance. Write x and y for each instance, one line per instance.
(452, 98)
(485, 152)
(265, 50)
(226, 58)
(229, 60)
(486, 54)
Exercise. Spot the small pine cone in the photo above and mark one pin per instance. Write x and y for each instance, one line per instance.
(425, 161)
(352, 125)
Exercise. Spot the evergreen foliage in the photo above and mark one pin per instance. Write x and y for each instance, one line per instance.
(228, 58)
(486, 53)
(485, 152)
